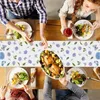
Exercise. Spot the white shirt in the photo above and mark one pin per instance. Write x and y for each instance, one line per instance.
(68, 8)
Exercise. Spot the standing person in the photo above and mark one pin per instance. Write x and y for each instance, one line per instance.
(77, 9)
(23, 9)
(73, 93)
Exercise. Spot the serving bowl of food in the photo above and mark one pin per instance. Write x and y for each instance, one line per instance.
(83, 30)
(17, 77)
(51, 64)
(77, 76)
(24, 26)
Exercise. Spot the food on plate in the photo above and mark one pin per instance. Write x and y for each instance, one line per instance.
(19, 78)
(97, 71)
(83, 29)
(77, 78)
(55, 69)
(17, 35)
(48, 60)
(51, 64)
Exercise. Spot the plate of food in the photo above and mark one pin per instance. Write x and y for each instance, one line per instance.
(51, 64)
(77, 76)
(83, 30)
(24, 26)
(17, 77)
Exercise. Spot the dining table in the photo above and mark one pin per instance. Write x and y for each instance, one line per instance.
(17, 53)
(40, 77)
(52, 31)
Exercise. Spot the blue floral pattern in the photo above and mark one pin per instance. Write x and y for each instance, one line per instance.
(72, 54)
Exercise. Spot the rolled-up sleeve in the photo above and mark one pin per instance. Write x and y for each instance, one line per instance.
(3, 17)
(40, 7)
(67, 8)
(63, 11)
(80, 93)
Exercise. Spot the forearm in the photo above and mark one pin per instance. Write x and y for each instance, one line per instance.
(42, 28)
(97, 15)
(12, 26)
(63, 22)
(31, 96)
(81, 94)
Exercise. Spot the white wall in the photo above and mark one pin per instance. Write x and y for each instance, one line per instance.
(52, 6)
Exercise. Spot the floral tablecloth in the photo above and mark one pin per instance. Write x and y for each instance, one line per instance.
(74, 53)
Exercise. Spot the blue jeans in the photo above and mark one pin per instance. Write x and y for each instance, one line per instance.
(11, 16)
(60, 94)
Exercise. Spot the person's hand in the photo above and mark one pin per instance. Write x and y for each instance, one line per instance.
(63, 81)
(28, 90)
(26, 37)
(96, 25)
(3, 91)
(44, 42)
(62, 30)
(70, 25)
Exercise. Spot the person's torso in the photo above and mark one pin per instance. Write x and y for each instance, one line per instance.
(23, 8)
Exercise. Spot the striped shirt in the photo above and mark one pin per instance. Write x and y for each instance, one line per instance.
(22, 9)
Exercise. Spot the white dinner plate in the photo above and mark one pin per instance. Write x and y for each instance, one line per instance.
(88, 36)
(80, 70)
(28, 28)
(12, 72)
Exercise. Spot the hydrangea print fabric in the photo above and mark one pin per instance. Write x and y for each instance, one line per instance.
(72, 54)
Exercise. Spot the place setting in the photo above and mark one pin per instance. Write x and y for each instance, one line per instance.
(18, 77)
(82, 30)
(24, 26)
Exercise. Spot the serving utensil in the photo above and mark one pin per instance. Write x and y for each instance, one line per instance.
(94, 79)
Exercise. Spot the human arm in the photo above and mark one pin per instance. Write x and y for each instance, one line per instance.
(11, 26)
(29, 91)
(81, 94)
(96, 24)
(3, 91)
(40, 7)
(63, 13)
(3, 17)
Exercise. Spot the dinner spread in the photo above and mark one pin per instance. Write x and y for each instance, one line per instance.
(51, 64)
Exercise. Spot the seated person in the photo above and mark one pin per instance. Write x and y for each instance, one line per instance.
(74, 92)
(17, 94)
(77, 9)
(18, 9)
